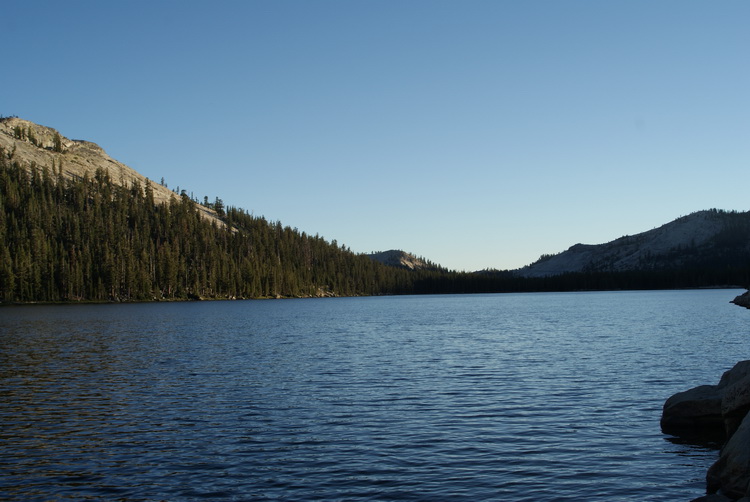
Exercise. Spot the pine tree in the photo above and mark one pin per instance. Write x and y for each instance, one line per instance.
(57, 143)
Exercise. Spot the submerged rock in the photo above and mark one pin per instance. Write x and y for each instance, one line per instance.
(714, 497)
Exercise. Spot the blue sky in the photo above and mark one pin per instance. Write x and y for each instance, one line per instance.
(478, 134)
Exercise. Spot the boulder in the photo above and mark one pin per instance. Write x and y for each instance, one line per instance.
(734, 375)
(717, 412)
(743, 300)
(735, 403)
(694, 414)
(730, 475)
(710, 412)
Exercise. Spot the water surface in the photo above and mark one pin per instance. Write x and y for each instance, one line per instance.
(473, 397)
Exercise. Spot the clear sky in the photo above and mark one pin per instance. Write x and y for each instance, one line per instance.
(478, 134)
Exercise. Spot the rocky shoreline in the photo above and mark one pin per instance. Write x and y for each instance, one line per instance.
(743, 300)
(718, 413)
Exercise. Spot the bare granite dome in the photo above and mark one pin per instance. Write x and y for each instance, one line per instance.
(29, 143)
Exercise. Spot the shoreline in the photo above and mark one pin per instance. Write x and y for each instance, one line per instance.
(334, 295)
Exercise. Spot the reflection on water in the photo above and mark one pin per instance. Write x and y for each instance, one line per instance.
(479, 397)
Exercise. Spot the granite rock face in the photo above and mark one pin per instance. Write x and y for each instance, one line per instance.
(32, 144)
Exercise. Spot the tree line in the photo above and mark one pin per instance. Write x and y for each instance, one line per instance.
(91, 239)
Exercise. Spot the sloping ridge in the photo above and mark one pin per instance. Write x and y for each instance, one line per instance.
(30, 143)
(688, 239)
(402, 259)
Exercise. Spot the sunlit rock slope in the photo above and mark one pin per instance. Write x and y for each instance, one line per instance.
(29, 143)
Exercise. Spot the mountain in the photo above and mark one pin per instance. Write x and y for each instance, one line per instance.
(76, 225)
(401, 259)
(704, 239)
(33, 144)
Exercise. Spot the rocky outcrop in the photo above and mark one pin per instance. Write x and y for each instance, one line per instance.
(743, 300)
(401, 259)
(718, 411)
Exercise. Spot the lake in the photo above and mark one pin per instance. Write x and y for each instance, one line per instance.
(553, 396)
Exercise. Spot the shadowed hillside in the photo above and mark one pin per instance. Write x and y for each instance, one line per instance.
(705, 239)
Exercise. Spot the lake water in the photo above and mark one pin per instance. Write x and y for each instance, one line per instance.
(474, 397)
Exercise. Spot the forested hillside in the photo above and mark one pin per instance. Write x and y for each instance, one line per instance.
(90, 239)
(76, 225)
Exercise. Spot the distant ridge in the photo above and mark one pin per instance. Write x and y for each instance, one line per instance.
(402, 259)
(710, 238)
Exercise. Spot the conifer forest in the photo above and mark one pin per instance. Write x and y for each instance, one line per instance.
(90, 239)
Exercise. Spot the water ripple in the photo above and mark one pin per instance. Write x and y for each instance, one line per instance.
(485, 397)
